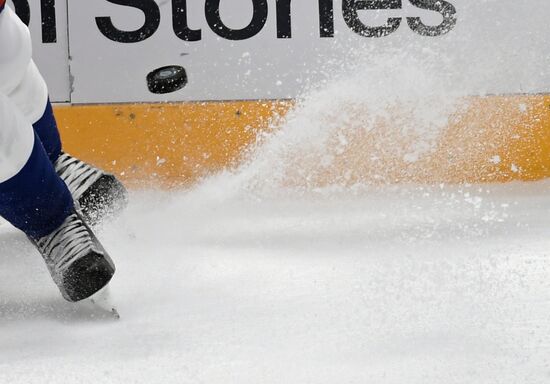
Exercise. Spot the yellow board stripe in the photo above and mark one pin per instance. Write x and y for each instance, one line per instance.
(171, 145)
(164, 144)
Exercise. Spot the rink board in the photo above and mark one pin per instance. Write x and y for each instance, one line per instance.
(498, 139)
(95, 55)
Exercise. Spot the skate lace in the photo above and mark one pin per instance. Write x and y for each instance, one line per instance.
(70, 241)
(78, 175)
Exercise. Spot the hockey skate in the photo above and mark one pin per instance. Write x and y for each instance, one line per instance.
(99, 194)
(78, 263)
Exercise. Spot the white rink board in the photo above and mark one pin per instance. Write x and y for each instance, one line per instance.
(500, 41)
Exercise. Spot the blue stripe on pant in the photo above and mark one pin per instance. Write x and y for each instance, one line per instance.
(46, 129)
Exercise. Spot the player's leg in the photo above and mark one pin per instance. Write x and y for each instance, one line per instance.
(34, 199)
(98, 193)
(32, 196)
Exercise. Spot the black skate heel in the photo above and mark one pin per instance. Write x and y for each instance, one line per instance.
(87, 276)
(103, 200)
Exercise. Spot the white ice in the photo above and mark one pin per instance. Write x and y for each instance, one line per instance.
(387, 285)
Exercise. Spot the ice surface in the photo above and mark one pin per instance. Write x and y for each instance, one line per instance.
(383, 285)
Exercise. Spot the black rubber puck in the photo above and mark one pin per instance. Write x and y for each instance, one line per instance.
(167, 79)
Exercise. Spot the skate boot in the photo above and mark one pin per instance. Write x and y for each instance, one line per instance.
(77, 262)
(99, 194)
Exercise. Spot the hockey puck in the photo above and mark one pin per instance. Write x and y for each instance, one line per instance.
(167, 79)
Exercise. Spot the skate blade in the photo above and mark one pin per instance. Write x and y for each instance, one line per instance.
(102, 300)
